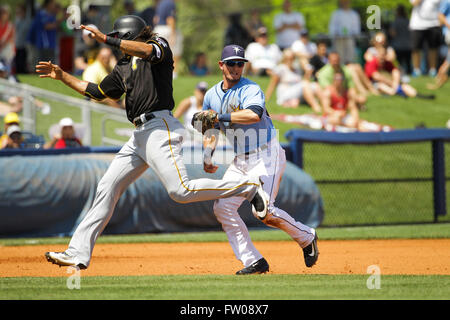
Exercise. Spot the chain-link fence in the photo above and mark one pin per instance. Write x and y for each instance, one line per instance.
(367, 184)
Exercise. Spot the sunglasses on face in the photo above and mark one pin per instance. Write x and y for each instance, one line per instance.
(240, 64)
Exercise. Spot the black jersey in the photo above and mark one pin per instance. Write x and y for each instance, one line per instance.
(147, 83)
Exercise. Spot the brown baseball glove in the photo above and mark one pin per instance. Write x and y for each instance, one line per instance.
(204, 118)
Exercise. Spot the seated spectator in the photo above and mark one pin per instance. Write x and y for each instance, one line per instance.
(189, 106)
(11, 119)
(262, 56)
(304, 48)
(14, 138)
(339, 103)
(99, 69)
(386, 76)
(66, 138)
(325, 76)
(86, 52)
(380, 40)
(320, 59)
(199, 67)
(290, 86)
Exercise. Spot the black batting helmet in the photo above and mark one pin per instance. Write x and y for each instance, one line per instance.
(127, 27)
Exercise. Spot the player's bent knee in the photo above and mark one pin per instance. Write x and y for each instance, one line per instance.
(179, 195)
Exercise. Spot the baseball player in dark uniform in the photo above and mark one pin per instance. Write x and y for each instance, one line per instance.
(144, 75)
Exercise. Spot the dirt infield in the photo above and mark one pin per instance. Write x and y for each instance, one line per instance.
(412, 257)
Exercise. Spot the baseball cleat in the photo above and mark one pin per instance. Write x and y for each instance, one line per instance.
(62, 259)
(260, 266)
(260, 202)
(311, 253)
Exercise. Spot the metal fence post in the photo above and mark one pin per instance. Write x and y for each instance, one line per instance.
(440, 208)
(297, 152)
(86, 119)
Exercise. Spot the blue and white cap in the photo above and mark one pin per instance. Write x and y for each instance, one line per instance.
(233, 52)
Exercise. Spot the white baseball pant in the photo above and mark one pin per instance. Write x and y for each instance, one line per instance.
(270, 165)
(155, 144)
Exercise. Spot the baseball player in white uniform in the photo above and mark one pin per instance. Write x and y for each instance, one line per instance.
(242, 116)
(144, 74)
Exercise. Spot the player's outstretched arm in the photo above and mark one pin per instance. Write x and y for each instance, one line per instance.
(132, 48)
(53, 71)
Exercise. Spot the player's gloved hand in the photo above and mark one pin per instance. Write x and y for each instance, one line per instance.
(204, 120)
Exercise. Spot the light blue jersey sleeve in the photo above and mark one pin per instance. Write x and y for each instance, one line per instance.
(207, 101)
(252, 95)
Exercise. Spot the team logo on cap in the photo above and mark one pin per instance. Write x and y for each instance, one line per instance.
(236, 49)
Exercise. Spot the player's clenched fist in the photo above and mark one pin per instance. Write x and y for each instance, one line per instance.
(49, 70)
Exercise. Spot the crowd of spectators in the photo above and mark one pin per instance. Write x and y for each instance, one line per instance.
(324, 73)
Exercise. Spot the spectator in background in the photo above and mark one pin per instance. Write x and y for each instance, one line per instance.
(425, 29)
(86, 52)
(7, 37)
(444, 19)
(339, 105)
(99, 69)
(166, 26)
(262, 56)
(43, 31)
(200, 65)
(304, 49)
(189, 106)
(320, 59)
(325, 77)
(66, 138)
(386, 76)
(290, 86)
(129, 7)
(288, 25)
(22, 24)
(254, 23)
(148, 14)
(11, 119)
(401, 38)
(236, 33)
(380, 40)
(344, 27)
(14, 138)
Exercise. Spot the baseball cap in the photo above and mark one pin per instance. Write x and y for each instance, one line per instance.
(11, 117)
(261, 31)
(233, 52)
(304, 33)
(66, 122)
(202, 86)
(12, 129)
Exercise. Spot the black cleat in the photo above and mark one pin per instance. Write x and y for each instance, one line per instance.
(311, 253)
(260, 266)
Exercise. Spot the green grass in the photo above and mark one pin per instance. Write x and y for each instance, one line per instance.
(213, 287)
(415, 231)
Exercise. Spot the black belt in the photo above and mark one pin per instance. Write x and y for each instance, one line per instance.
(143, 118)
(264, 147)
